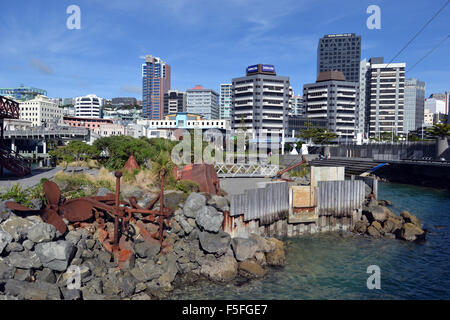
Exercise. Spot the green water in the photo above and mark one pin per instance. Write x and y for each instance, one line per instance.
(333, 265)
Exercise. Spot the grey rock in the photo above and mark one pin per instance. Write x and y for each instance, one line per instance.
(71, 294)
(17, 227)
(36, 204)
(209, 219)
(217, 243)
(131, 191)
(73, 236)
(146, 271)
(103, 192)
(42, 232)
(193, 204)
(223, 269)
(244, 248)
(28, 244)
(186, 226)
(55, 255)
(46, 275)
(14, 247)
(147, 249)
(6, 271)
(127, 285)
(263, 244)
(5, 240)
(23, 274)
(172, 198)
(33, 290)
(220, 203)
(24, 260)
(104, 256)
(90, 243)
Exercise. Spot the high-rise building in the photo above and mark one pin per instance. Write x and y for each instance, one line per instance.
(435, 105)
(204, 102)
(174, 102)
(414, 104)
(88, 106)
(22, 93)
(260, 101)
(334, 99)
(155, 83)
(384, 97)
(445, 97)
(340, 52)
(296, 107)
(225, 100)
(40, 111)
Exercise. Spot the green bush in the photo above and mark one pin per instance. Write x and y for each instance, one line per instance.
(187, 186)
(19, 194)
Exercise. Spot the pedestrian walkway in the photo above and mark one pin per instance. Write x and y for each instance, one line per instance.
(29, 181)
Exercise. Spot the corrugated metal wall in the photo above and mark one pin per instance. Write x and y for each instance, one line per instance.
(340, 198)
(266, 204)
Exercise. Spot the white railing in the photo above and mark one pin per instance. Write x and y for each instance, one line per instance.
(246, 170)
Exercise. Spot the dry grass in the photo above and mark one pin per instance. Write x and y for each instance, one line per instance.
(145, 179)
(92, 164)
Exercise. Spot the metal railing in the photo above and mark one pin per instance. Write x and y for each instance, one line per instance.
(246, 170)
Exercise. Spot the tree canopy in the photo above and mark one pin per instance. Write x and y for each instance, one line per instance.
(317, 135)
(439, 130)
(74, 151)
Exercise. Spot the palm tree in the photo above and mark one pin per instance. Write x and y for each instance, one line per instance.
(441, 131)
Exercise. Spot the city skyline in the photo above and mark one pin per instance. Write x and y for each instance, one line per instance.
(105, 56)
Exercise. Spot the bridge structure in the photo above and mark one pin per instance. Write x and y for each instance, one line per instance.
(246, 170)
(9, 159)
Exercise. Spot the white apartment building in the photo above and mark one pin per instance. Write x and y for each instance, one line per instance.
(88, 106)
(296, 107)
(385, 102)
(40, 111)
(334, 99)
(204, 102)
(261, 101)
(226, 90)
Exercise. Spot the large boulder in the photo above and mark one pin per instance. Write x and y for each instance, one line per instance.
(42, 232)
(277, 256)
(244, 248)
(360, 227)
(209, 219)
(17, 227)
(217, 243)
(172, 198)
(149, 248)
(6, 271)
(223, 269)
(220, 203)
(411, 232)
(373, 232)
(128, 191)
(408, 217)
(33, 290)
(55, 255)
(193, 204)
(264, 245)
(250, 269)
(24, 260)
(5, 240)
(146, 271)
(392, 225)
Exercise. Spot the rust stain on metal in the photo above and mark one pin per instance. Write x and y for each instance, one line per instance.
(108, 216)
(203, 174)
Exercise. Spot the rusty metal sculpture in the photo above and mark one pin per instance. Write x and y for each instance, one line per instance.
(99, 209)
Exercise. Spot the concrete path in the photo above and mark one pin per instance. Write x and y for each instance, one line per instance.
(239, 185)
(28, 181)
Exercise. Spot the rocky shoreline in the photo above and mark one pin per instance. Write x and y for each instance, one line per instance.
(37, 262)
(378, 221)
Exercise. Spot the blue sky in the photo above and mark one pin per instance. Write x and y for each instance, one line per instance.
(206, 42)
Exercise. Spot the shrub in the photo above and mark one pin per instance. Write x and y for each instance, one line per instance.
(187, 186)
